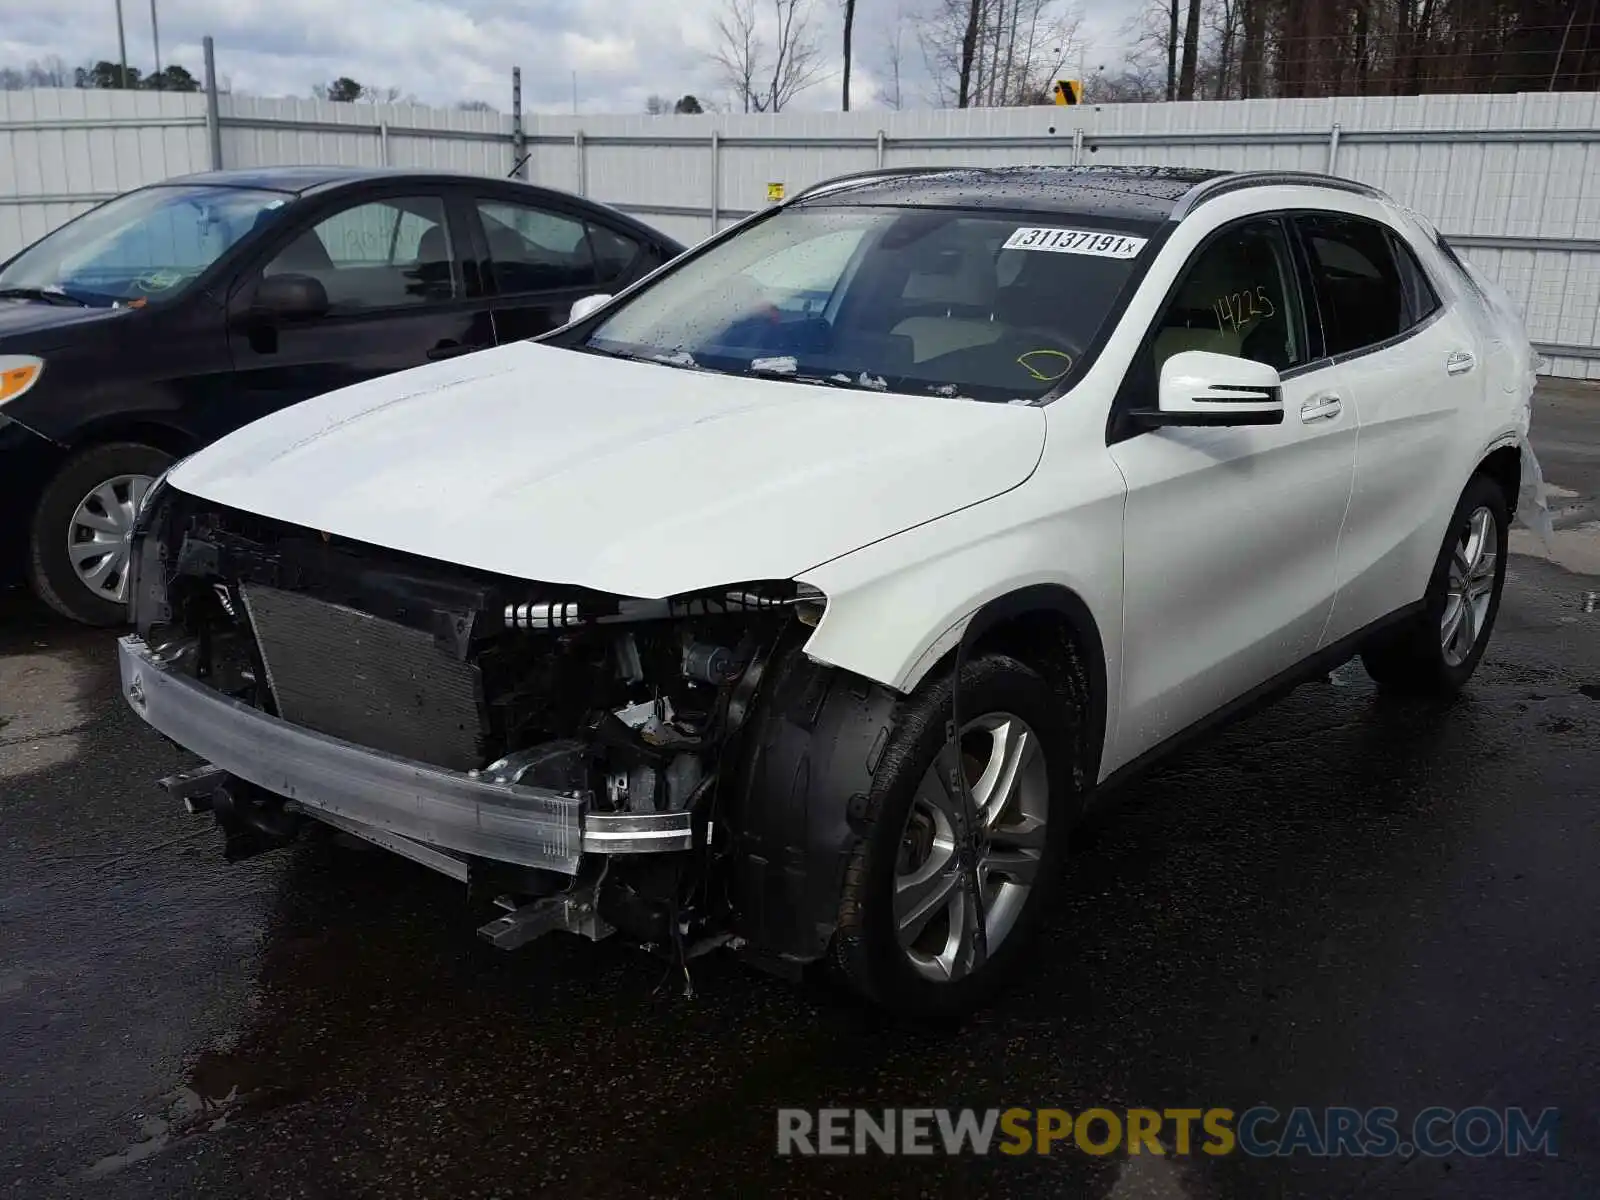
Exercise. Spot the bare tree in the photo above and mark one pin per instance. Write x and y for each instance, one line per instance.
(739, 51)
(656, 105)
(1191, 50)
(849, 32)
(893, 95)
(1172, 50)
(796, 62)
(766, 75)
(998, 52)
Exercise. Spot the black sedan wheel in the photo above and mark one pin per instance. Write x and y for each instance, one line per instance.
(79, 540)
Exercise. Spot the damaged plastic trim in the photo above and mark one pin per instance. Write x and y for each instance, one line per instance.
(474, 814)
(567, 615)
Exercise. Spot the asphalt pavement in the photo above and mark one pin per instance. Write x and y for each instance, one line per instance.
(1346, 900)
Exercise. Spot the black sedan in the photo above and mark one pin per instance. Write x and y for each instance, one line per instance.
(174, 314)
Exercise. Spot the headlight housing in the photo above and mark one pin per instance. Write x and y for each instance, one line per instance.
(18, 373)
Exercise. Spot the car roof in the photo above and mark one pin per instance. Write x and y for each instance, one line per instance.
(302, 180)
(1130, 195)
(1138, 194)
(305, 178)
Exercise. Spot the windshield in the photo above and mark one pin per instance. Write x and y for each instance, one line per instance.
(148, 245)
(947, 302)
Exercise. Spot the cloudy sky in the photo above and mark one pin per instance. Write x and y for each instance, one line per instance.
(447, 51)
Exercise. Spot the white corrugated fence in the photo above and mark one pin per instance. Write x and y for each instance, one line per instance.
(1514, 180)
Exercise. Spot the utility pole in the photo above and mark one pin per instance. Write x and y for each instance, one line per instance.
(155, 37)
(122, 45)
(1562, 53)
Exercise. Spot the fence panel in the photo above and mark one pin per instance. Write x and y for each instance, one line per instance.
(1514, 180)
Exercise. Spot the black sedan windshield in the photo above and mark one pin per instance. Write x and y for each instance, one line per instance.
(145, 246)
(987, 305)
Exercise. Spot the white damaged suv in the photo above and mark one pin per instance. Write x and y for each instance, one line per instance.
(798, 599)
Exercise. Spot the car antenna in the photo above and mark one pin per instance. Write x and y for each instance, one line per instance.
(517, 166)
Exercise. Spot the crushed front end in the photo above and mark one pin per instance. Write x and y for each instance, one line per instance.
(566, 753)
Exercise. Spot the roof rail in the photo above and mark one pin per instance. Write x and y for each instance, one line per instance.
(838, 182)
(1221, 185)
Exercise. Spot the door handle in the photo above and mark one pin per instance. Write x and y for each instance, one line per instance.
(1460, 363)
(450, 350)
(1324, 407)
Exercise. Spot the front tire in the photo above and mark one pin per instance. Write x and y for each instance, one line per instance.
(1435, 654)
(907, 919)
(78, 551)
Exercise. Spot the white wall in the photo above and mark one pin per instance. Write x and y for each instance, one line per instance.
(1515, 180)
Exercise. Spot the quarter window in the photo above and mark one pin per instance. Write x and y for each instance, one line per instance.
(613, 253)
(1421, 300)
(386, 254)
(1365, 296)
(1237, 297)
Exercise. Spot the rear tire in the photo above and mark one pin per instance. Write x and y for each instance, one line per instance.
(1436, 653)
(80, 515)
(904, 931)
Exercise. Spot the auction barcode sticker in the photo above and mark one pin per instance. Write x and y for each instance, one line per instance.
(1075, 241)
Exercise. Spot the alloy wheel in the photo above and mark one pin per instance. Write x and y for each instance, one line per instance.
(1470, 588)
(935, 913)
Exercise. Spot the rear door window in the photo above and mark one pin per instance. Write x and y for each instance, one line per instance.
(536, 250)
(1360, 289)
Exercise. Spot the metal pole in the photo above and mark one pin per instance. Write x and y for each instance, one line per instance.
(582, 167)
(716, 181)
(882, 138)
(122, 46)
(1333, 147)
(213, 117)
(383, 143)
(1562, 52)
(155, 38)
(519, 137)
(1077, 146)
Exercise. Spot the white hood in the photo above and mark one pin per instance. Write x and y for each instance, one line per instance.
(632, 478)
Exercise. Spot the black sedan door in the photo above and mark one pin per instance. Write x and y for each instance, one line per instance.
(371, 284)
(540, 256)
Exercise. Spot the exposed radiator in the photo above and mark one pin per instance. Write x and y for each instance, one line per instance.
(366, 680)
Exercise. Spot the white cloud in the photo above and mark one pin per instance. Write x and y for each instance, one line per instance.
(446, 51)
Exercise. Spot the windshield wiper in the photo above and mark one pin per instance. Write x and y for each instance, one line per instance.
(680, 358)
(785, 370)
(44, 295)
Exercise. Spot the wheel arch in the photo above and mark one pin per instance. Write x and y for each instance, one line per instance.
(146, 430)
(1050, 628)
(1503, 464)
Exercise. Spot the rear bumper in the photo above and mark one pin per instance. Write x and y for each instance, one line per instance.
(469, 814)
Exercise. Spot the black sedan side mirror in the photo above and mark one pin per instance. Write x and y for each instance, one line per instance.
(290, 298)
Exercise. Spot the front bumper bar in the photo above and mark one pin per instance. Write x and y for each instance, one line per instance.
(471, 814)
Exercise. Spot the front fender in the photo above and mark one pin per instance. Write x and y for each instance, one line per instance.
(895, 608)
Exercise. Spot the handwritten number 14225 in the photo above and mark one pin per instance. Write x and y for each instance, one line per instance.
(1237, 309)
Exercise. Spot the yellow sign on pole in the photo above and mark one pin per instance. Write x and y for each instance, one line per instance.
(774, 193)
(1069, 91)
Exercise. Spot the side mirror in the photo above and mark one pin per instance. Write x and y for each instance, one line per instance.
(1201, 388)
(290, 298)
(582, 308)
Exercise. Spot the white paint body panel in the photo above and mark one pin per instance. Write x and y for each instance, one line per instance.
(626, 477)
(1211, 560)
